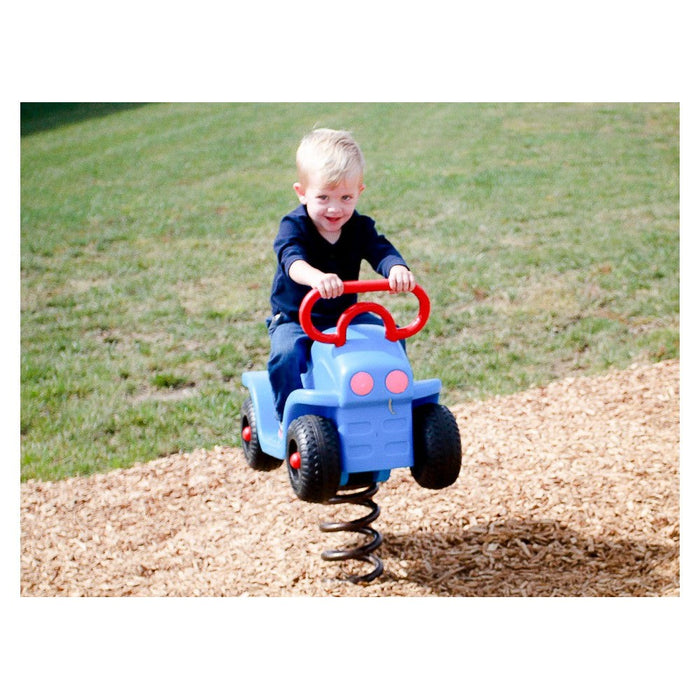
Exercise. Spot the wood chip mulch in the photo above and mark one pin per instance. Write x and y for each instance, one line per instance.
(567, 490)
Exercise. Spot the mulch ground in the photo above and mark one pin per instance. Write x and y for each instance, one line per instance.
(567, 490)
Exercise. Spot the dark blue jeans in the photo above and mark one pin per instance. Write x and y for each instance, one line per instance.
(290, 349)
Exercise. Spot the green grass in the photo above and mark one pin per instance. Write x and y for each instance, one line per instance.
(546, 234)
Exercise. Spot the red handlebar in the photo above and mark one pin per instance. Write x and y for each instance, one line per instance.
(354, 287)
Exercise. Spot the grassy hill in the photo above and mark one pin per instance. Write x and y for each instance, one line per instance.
(546, 234)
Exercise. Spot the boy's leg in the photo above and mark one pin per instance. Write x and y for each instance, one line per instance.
(373, 320)
(367, 317)
(289, 352)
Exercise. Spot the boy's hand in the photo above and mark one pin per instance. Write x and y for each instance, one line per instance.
(401, 279)
(329, 285)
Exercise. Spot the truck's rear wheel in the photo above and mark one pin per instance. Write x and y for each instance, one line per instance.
(254, 455)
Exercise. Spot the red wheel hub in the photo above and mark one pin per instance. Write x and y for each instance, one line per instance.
(247, 433)
(295, 460)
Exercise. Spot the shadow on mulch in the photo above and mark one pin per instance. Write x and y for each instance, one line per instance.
(531, 558)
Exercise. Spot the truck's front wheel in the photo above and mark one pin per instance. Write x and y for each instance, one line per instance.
(313, 458)
(437, 447)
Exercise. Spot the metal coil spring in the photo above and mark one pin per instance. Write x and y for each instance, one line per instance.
(360, 525)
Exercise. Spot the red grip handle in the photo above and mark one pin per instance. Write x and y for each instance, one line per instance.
(355, 287)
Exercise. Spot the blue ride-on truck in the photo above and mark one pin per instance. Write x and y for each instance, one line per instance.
(360, 412)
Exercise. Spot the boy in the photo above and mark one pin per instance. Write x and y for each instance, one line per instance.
(319, 245)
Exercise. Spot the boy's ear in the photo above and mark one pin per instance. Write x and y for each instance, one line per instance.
(301, 192)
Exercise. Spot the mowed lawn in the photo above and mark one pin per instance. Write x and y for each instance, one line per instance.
(547, 236)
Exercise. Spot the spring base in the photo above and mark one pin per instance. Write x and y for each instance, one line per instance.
(360, 525)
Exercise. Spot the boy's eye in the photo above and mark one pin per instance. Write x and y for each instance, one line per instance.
(347, 197)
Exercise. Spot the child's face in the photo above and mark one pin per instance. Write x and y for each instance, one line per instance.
(330, 207)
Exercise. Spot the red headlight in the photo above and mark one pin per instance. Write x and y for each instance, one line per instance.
(362, 383)
(396, 381)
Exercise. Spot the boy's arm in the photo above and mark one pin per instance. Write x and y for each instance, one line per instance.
(385, 259)
(328, 283)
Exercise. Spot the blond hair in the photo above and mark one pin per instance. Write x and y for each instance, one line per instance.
(332, 155)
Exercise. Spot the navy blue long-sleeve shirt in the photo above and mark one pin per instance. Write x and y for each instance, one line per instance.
(298, 239)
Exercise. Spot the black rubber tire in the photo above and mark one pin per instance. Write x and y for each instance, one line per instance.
(254, 455)
(437, 446)
(316, 440)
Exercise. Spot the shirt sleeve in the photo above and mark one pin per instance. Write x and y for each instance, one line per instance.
(379, 252)
(289, 243)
